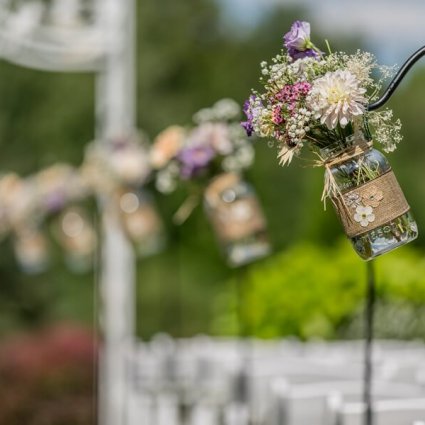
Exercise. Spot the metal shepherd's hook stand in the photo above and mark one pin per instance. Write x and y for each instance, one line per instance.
(371, 281)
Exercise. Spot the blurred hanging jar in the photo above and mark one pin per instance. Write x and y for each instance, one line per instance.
(207, 160)
(31, 250)
(237, 219)
(141, 221)
(366, 196)
(77, 237)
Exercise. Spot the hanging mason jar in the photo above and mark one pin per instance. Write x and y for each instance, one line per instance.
(141, 221)
(367, 197)
(77, 237)
(237, 219)
(31, 250)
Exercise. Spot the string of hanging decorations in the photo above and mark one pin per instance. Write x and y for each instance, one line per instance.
(206, 159)
(59, 198)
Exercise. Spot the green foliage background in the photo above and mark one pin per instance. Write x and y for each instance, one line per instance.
(187, 59)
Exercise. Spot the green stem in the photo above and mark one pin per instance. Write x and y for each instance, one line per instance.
(328, 46)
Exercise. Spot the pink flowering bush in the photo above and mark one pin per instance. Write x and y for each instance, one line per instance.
(48, 378)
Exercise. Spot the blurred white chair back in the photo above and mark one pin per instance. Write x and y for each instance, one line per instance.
(385, 412)
(306, 404)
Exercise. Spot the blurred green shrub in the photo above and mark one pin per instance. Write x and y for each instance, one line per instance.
(318, 291)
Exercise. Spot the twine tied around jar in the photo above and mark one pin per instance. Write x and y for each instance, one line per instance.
(370, 204)
(211, 193)
(331, 189)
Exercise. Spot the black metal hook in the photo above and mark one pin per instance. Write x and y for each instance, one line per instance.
(397, 79)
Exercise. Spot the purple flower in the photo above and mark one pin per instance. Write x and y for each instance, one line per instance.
(248, 109)
(298, 36)
(298, 43)
(194, 159)
(300, 54)
(55, 201)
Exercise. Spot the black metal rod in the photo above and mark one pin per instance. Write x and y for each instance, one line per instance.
(241, 390)
(397, 79)
(368, 355)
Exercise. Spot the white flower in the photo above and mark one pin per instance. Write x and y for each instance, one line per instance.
(230, 163)
(223, 110)
(165, 182)
(364, 215)
(245, 156)
(130, 164)
(226, 109)
(337, 98)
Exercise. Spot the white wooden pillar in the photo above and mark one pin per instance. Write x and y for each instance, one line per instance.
(113, 61)
(116, 112)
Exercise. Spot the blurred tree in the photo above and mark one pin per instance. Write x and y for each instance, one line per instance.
(187, 59)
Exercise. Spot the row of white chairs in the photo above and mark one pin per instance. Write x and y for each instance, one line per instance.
(206, 381)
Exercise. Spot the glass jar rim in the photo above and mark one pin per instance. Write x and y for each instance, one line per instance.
(360, 136)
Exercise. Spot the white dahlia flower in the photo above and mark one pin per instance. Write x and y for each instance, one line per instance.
(336, 98)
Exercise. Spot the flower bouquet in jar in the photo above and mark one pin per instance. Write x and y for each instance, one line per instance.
(319, 102)
(120, 170)
(208, 160)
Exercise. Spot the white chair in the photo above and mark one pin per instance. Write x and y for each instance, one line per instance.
(293, 372)
(141, 409)
(306, 404)
(167, 412)
(204, 414)
(236, 414)
(385, 412)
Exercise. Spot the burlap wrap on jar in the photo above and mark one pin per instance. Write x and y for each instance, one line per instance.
(366, 195)
(371, 204)
(139, 217)
(233, 218)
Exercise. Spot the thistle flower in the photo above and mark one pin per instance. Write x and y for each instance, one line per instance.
(337, 98)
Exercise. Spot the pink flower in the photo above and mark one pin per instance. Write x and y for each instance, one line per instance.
(277, 117)
(166, 146)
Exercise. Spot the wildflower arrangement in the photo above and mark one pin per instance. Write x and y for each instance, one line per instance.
(315, 99)
(320, 101)
(107, 167)
(207, 160)
(216, 144)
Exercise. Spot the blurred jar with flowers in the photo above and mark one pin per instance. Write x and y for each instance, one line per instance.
(209, 159)
(121, 169)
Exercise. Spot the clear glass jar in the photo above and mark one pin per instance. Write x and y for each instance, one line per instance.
(74, 231)
(235, 213)
(141, 221)
(32, 250)
(370, 194)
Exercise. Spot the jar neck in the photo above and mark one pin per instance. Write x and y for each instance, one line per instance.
(221, 185)
(353, 137)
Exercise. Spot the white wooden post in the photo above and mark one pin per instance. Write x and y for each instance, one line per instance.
(116, 90)
(112, 58)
